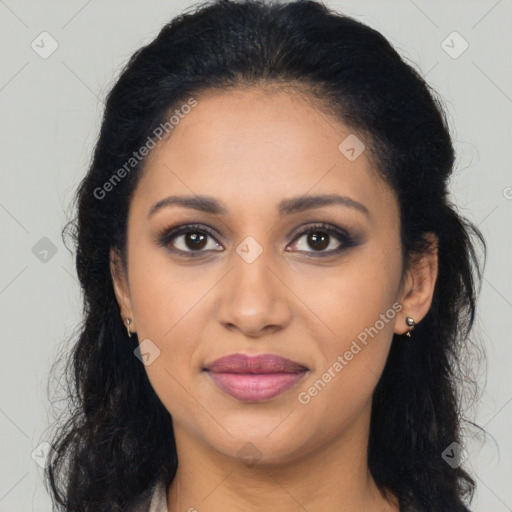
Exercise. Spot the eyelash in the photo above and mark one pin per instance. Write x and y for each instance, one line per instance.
(346, 240)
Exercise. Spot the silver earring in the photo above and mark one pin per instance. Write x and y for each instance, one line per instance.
(410, 322)
(128, 328)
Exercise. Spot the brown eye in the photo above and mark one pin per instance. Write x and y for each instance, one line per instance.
(189, 239)
(194, 240)
(323, 239)
(318, 240)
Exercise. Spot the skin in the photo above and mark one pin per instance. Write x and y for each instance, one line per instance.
(250, 150)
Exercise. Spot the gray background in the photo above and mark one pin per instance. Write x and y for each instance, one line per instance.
(51, 110)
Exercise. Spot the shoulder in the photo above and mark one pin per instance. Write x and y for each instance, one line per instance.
(158, 501)
(154, 499)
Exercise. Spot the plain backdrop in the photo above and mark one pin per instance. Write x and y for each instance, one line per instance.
(59, 59)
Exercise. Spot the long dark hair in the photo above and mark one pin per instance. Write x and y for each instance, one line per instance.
(118, 439)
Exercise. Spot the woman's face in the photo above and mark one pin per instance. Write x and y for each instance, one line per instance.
(246, 281)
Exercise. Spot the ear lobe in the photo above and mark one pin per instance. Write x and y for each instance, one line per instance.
(120, 284)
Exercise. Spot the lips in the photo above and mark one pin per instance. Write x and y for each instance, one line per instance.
(255, 378)
(265, 363)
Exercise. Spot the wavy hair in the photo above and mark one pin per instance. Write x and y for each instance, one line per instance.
(117, 438)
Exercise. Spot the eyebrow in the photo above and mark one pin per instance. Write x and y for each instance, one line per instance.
(298, 204)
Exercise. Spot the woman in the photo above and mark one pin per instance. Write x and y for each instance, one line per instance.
(277, 287)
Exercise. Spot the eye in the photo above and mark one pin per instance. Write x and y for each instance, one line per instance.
(187, 239)
(321, 237)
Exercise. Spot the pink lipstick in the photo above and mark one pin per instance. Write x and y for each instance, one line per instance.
(255, 378)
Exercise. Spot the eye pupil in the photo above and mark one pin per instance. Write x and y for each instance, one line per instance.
(322, 240)
(196, 238)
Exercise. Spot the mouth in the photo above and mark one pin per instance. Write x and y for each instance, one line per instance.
(255, 378)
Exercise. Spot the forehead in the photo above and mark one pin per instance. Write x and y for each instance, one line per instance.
(252, 148)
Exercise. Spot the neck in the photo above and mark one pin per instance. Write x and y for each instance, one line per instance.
(330, 478)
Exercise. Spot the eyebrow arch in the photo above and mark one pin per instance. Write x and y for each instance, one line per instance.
(286, 207)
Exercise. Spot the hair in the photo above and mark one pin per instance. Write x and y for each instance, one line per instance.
(118, 439)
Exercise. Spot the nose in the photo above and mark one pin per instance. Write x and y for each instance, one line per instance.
(253, 299)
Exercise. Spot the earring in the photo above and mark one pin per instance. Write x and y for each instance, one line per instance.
(410, 322)
(128, 328)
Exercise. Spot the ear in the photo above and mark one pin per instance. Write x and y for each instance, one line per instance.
(121, 288)
(418, 291)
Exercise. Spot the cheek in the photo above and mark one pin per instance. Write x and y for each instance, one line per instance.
(358, 307)
(172, 306)
(168, 304)
(353, 296)
(354, 357)
(163, 293)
